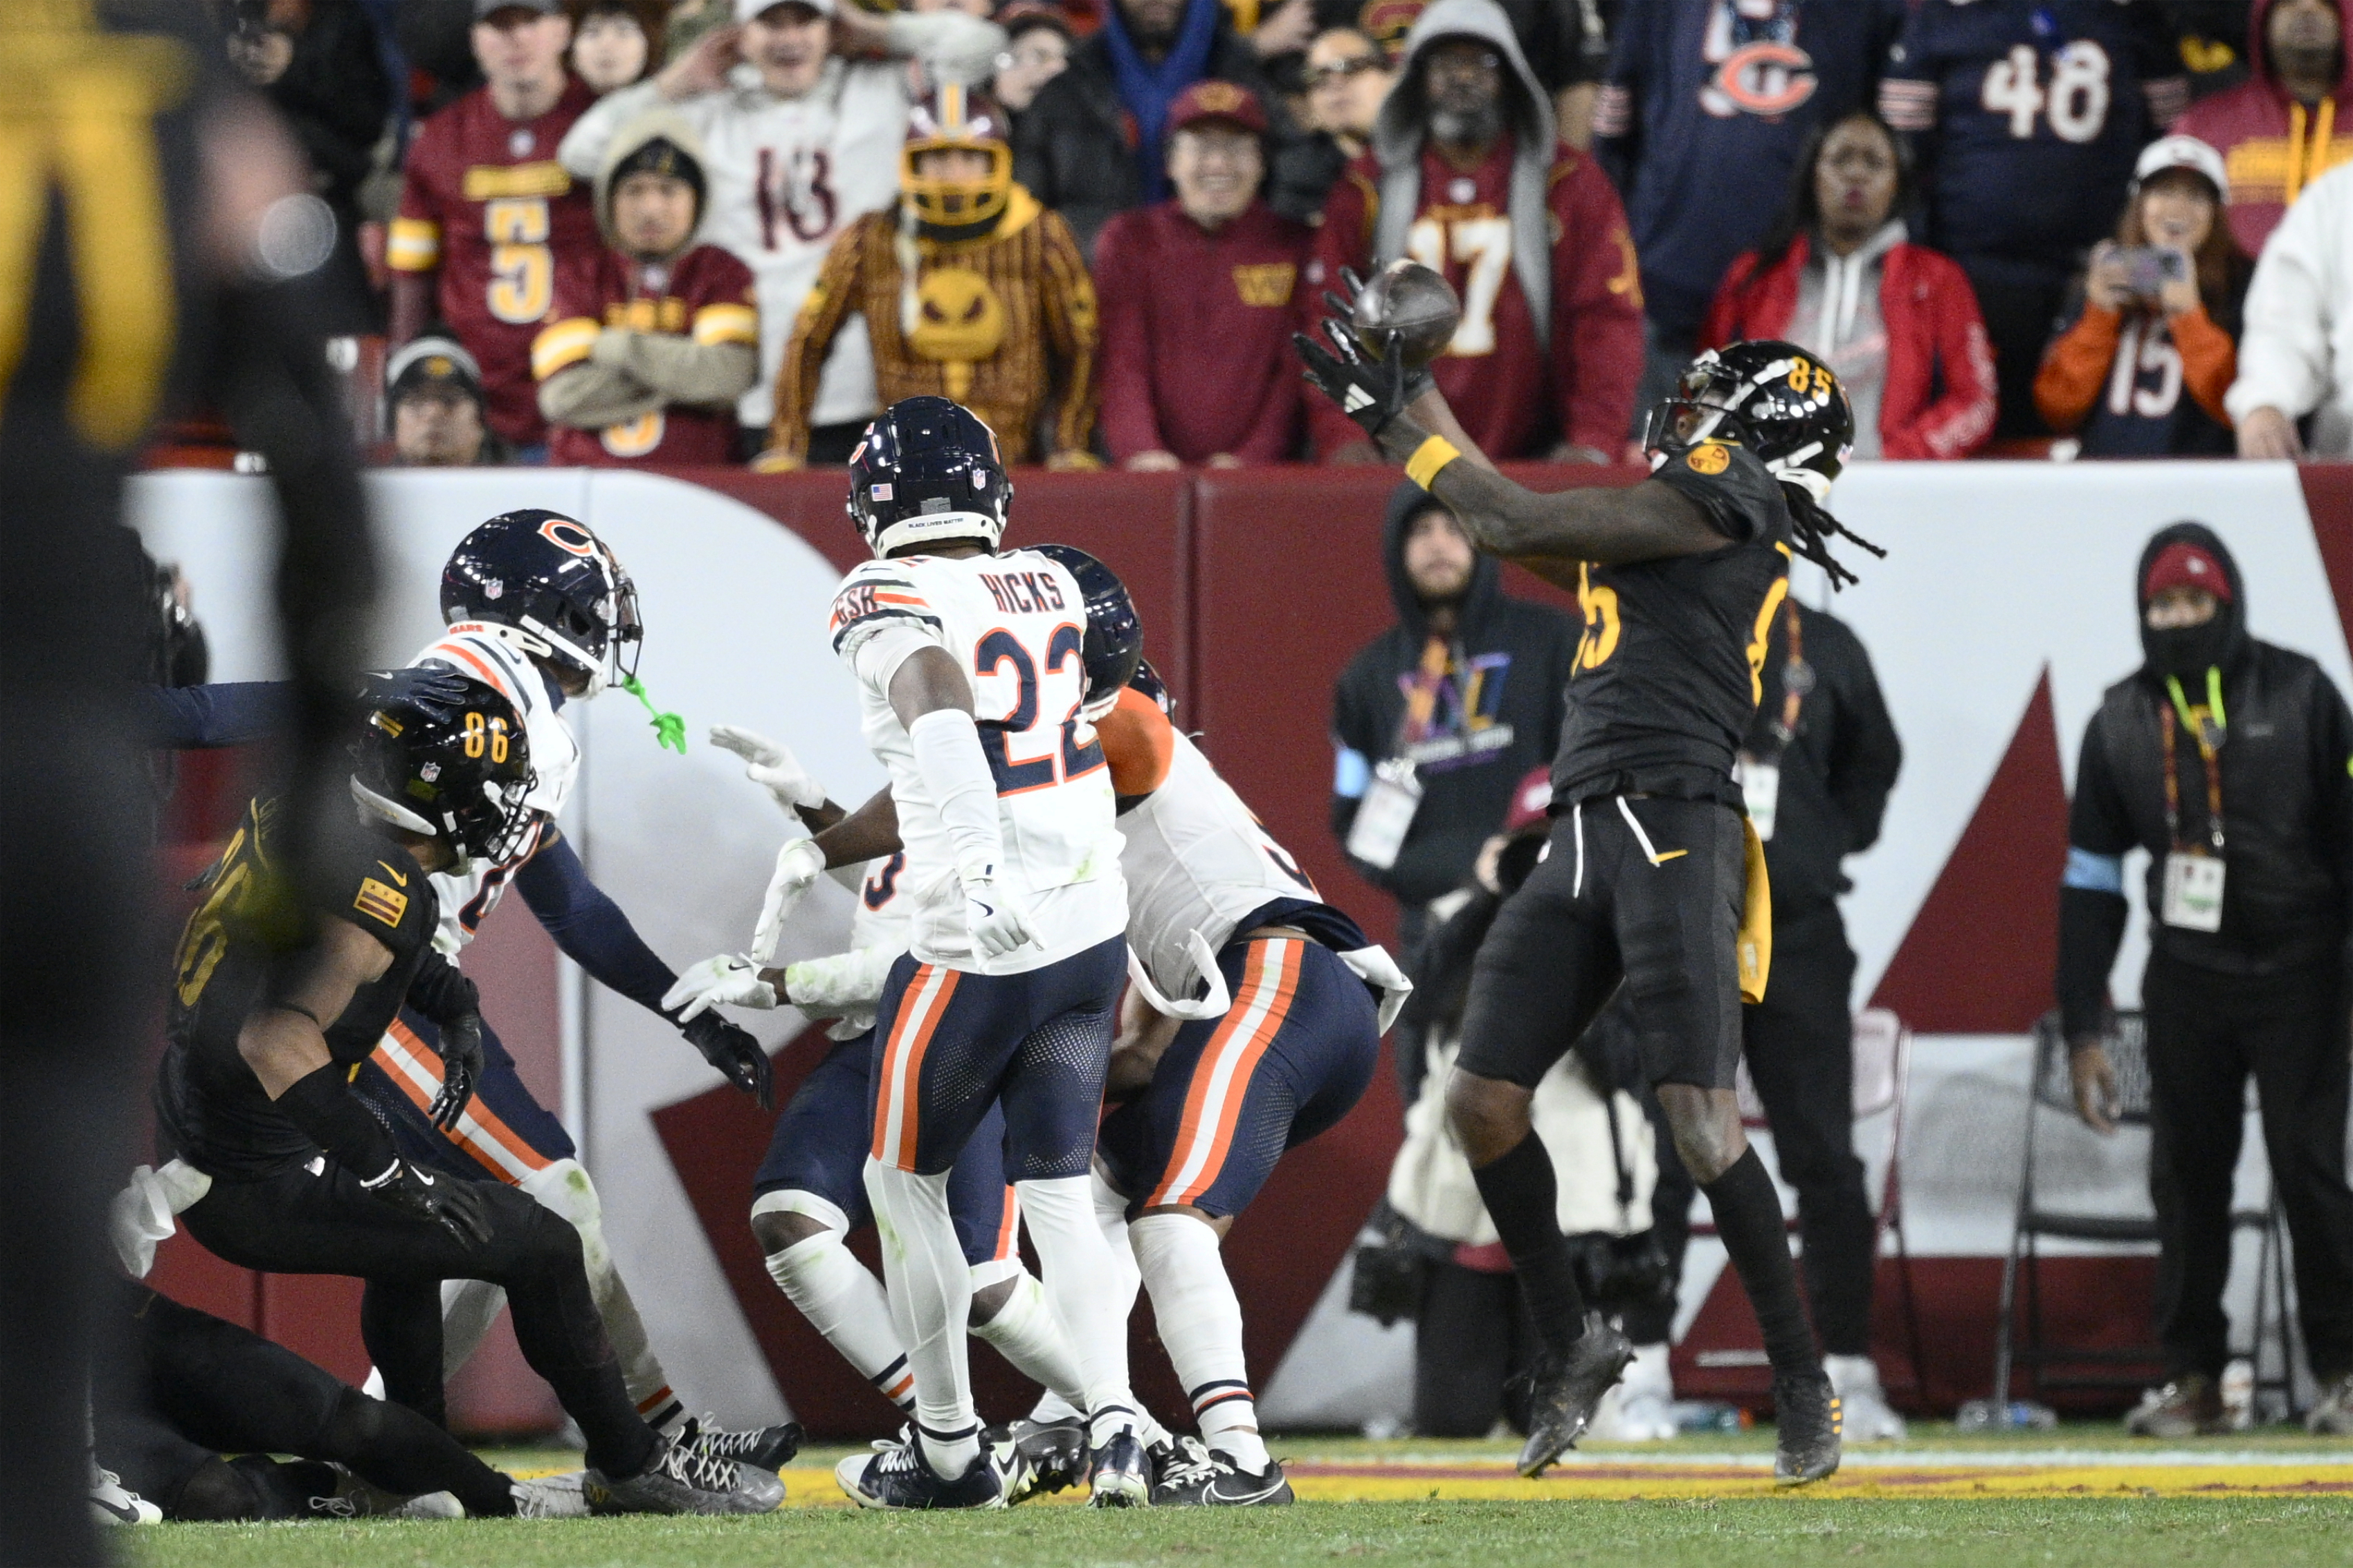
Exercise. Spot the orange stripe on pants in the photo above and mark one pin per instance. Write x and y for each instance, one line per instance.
(897, 1109)
(414, 1059)
(1213, 1101)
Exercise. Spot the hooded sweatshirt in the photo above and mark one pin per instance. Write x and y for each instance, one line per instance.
(2273, 146)
(1534, 241)
(2287, 802)
(1486, 709)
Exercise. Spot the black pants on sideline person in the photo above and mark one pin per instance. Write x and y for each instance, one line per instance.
(2207, 1031)
(298, 1223)
(1473, 1342)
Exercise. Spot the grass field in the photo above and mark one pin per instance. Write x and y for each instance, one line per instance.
(2081, 1496)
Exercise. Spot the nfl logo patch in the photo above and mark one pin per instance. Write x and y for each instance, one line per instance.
(429, 772)
(494, 589)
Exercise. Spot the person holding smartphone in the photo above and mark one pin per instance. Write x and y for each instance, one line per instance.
(2141, 370)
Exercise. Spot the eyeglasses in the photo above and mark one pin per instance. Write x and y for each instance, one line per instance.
(1340, 70)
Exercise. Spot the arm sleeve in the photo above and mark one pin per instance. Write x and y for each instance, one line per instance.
(1346, 239)
(682, 369)
(953, 46)
(2284, 355)
(2164, 84)
(1071, 330)
(590, 927)
(1617, 120)
(1866, 755)
(1138, 742)
(583, 149)
(828, 987)
(440, 991)
(1596, 310)
(232, 713)
(1130, 422)
(2209, 360)
(413, 240)
(591, 396)
(1907, 92)
(822, 313)
(2075, 367)
(2091, 908)
(1961, 421)
(947, 754)
(2332, 765)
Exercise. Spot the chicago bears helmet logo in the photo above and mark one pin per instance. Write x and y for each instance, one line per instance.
(568, 535)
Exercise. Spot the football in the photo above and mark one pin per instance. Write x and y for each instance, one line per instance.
(1408, 300)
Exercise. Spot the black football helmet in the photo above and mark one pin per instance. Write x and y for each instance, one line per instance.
(1775, 399)
(541, 581)
(452, 764)
(1147, 680)
(1114, 640)
(928, 470)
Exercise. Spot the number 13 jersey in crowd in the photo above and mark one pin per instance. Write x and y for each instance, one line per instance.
(1666, 677)
(1015, 624)
(487, 205)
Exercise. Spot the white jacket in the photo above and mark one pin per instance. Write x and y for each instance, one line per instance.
(785, 176)
(2296, 352)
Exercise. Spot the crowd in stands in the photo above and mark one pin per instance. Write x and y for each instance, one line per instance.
(729, 231)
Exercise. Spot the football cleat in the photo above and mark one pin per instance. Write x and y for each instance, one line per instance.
(111, 1502)
(551, 1497)
(1119, 1475)
(355, 1496)
(895, 1477)
(1864, 1414)
(1039, 1455)
(1195, 1477)
(684, 1479)
(1805, 1411)
(768, 1448)
(1563, 1392)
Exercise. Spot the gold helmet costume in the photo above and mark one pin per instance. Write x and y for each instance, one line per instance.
(955, 121)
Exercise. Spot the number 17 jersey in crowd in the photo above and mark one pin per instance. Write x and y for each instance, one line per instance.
(1015, 624)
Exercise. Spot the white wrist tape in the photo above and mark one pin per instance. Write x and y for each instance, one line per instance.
(946, 744)
(827, 987)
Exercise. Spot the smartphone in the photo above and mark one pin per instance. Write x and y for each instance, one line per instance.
(2149, 269)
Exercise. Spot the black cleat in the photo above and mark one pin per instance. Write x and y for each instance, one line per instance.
(1118, 1475)
(1563, 1392)
(768, 1448)
(1195, 1477)
(1805, 1411)
(1039, 1455)
(895, 1475)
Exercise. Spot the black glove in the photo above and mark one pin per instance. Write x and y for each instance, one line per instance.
(432, 687)
(455, 1204)
(461, 1068)
(1372, 393)
(736, 1054)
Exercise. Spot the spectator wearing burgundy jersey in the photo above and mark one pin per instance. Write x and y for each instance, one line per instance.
(1197, 298)
(2289, 122)
(1466, 175)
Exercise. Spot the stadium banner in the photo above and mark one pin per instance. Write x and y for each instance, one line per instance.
(2004, 607)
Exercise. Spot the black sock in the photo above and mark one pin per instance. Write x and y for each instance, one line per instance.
(1523, 1201)
(1748, 1218)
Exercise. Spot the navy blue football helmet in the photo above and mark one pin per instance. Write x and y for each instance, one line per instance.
(927, 471)
(1147, 680)
(543, 582)
(1115, 639)
(453, 763)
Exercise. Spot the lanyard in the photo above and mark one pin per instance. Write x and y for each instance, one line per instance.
(2209, 736)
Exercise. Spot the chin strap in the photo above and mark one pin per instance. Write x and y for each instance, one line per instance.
(670, 729)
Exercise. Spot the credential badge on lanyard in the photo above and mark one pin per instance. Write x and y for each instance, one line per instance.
(2194, 873)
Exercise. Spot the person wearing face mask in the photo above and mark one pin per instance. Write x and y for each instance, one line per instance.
(2292, 119)
(2225, 759)
(2142, 370)
(1896, 320)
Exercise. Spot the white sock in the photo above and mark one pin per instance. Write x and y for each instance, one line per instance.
(1085, 1282)
(1052, 1407)
(565, 1188)
(1027, 1333)
(1648, 1374)
(842, 1300)
(1200, 1321)
(1111, 1219)
(469, 1308)
(931, 1304)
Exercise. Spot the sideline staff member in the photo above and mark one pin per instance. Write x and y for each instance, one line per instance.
(2231, 762)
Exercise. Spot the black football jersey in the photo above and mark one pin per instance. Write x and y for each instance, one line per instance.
(1666, 675)
(250, 932)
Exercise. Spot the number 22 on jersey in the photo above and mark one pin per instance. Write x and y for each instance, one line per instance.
(1030, 684)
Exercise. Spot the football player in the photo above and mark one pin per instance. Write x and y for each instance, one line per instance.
(809, 1193)
(280, 989)
(539, 609)
(1214, 1091)
(1653, 876)
(975, 695)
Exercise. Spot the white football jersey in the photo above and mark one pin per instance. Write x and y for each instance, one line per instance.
(1015, 624)
(470, 649)
(1196, 860)
(877, 935)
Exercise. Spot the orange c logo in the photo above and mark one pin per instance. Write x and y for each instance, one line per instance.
(568, 535)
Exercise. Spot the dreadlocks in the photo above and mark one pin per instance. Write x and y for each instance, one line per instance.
(1812, 529)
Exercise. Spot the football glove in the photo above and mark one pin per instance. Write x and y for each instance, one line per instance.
(726, 981)
(798, 866)
(735, 1053)
(432, 687)
(995, 918)
(772, 768)
(455, 1204)
(461, 1068)
(1370, 392)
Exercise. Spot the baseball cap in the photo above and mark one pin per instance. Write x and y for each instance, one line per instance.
(434, 362)
(1217, 100)
(2182, 153)
(485, 9)
(2182, 564)
(1021, 16)
(745, 10)
(1531, 800)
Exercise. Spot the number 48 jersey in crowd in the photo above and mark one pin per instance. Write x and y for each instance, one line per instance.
(1016, 624)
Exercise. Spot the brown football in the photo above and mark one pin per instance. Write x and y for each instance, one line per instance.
(1408, 300)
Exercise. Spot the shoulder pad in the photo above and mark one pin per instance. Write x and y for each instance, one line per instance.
(874, 595)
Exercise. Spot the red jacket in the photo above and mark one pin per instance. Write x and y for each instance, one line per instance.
(1933, 334)
(2271, 146)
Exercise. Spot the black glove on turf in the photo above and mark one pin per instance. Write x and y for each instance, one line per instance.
(736, 1054)
(450, 1202)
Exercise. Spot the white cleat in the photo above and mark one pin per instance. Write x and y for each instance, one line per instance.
(111, 1502)
(551, 1497)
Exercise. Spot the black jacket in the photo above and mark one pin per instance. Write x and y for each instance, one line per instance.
(2287, 809)
(1518, 656)
(1835, 772)
(1073, 147)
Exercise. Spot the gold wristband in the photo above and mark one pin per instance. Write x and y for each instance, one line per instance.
(1429, 458)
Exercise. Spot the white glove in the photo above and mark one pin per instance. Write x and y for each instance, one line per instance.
(798, 864)
(726, 981)
(995, 918)
(772, 768)
(1376, 968)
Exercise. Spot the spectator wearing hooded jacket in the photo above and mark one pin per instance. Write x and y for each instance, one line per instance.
(2279, 130)
(1467, 176)
(1436, 720)
(2293, 397)
(1894, 319)
(1094, 141)
(2143, 369)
